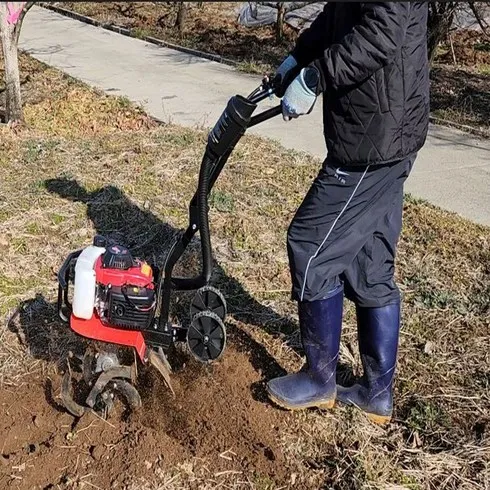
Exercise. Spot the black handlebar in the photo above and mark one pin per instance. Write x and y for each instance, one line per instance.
(266, 89)
(234, 121)
(264, 116)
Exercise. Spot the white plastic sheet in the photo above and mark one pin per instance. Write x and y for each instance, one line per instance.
(252, 14)
(465, 19)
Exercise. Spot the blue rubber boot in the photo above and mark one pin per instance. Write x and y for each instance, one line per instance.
(315, 384)
(378, 333)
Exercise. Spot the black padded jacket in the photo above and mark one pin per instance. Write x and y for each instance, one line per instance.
(374, 71)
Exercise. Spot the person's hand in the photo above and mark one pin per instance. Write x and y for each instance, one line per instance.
(301, 95)
(285, 75)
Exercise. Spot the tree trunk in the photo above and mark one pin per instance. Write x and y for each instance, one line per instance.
(13, 101)
(11, 16)
(181, 15)
(480, 10)
(282, 9)
(441, 15)
(281, 12)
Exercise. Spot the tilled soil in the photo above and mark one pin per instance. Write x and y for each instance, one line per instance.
(218, 419)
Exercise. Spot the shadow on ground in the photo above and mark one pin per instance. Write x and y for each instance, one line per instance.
(114, 216)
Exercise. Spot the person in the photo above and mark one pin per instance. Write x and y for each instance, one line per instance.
(369, 61)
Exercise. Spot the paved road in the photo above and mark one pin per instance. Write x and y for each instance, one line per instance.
(452, 171)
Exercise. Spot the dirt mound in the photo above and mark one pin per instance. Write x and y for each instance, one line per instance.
(215, 414)
(218, 419)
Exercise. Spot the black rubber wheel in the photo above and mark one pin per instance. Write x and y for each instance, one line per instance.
(206, 337)
(209, 299)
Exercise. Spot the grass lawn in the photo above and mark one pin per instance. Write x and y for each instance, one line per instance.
(88, 163)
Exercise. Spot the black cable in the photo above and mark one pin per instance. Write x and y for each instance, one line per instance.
(136, 307)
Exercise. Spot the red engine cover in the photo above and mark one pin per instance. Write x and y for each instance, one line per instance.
(141, 276)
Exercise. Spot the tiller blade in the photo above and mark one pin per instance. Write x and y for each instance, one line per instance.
(108, 381)
(158, 360)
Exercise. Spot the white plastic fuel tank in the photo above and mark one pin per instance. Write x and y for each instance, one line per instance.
(85, 286)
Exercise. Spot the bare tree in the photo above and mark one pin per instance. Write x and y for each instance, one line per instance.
(281, 13)
(181, 16)
(441, 16)
(283, 8)
(11, 17)
(481, 10)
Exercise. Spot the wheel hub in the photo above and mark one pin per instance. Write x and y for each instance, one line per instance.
(206, 337)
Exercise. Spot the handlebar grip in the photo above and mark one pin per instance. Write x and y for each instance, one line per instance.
(264, 116)
(231, 125)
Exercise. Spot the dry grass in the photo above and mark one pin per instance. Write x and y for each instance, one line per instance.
(94, 163)
(49, 97)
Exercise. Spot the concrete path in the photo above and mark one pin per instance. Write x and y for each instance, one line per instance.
(452, 171)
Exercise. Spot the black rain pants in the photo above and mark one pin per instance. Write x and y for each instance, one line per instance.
(346, 232)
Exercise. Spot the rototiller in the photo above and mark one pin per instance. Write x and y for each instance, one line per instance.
(109, 296)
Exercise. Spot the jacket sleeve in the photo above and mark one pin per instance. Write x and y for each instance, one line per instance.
(370, 45)
(311, 41)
